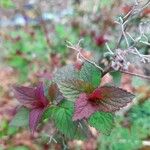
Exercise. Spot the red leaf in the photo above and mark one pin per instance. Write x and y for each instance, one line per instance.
(34, 118)
(100, 40)
(39, 92)
(31, 97)
(110, 99)
(34, 99)
(83, 107)
(26, 96)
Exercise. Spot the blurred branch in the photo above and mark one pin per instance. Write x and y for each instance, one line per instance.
(80, 55)
(134, 74)
(123, 20)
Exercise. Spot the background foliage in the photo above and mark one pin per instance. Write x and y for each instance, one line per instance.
(33, 45)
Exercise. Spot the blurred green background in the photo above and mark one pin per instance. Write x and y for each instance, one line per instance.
(33, 39)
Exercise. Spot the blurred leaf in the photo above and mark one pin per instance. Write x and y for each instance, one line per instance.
(12, 131)
(116, 77)
(19, 148)
(140, 118)
(105, 3)
(120, 138)
(7, 3)
(60, 30)
(137, 82)
(21, 118)
(21, 65)
(18, 62)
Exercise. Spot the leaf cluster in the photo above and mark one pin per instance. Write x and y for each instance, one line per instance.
(73, 101)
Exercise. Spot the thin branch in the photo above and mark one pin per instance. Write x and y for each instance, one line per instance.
(125, 19)
(78, 49)
(108, 48)
(146, 43)
(135, 74)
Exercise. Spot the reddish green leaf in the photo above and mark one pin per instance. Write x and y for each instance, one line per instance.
(34, 99)
(110, 99)
(34, 118)
(84, 108)
(71, 89)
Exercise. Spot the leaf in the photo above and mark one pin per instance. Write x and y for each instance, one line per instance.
(84, 108)
(89, 73)
(25, 95)
(106, 3)
(21, 119)
(71, 89)
(66, 73)
(52, 92)
(137, 82)
(110, 99)
(31, 97)
(19, 148)
(39, 94)
(62, 116)
(131, 139)
(116, 77)
(34, 118)
(102, 121)
(7, 4)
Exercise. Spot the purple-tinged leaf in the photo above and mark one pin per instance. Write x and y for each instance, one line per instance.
(71, 89)
(39, 92)
(84, 108)
(110, 99)
(31, 97)
(26, 96)
(34, 118)
(35, 100)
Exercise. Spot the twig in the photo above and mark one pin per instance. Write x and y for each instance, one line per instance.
(125, 19)
(135, 74)
(108, 48)
(79, 54)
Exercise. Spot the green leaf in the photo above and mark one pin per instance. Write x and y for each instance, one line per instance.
(69, 84)
(137, 82)
(102, 121)
(19, 148)
(121, 138)
(12, 131)
(7, 4)
(62, 116)
(21, 118)
(116, 77)
(71, 89)
(65, 73)
(60, 30)
(89, 73)
(106, 3)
